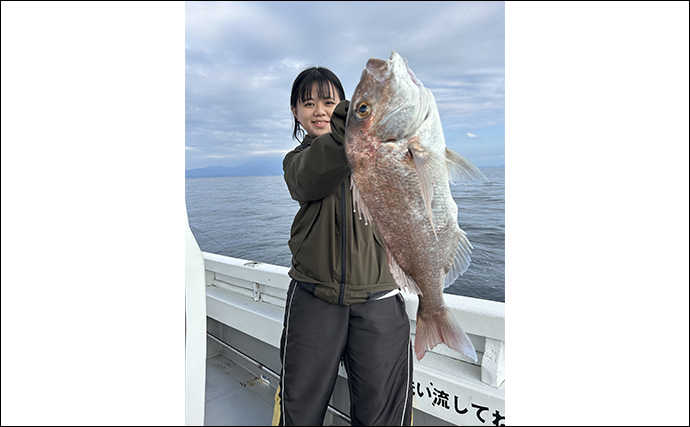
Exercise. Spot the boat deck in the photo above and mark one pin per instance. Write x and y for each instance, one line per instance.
(240, 308)
(234, 396)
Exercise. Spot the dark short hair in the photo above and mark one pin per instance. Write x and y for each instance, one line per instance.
(301, 90)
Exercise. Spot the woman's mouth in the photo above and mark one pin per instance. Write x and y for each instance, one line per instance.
(320, 124)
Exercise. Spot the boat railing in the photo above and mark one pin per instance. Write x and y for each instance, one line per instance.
(250, 296)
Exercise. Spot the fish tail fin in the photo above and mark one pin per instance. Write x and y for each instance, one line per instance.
(442, 328)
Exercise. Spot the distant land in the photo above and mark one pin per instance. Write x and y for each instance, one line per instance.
(268, 166)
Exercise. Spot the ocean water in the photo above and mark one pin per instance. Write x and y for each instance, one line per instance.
(250, 218)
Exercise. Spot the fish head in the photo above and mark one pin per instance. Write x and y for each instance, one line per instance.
(388, 106)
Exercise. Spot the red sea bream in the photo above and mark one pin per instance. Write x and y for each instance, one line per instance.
(401, 170)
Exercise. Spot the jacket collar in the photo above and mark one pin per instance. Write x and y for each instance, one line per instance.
(306, 142)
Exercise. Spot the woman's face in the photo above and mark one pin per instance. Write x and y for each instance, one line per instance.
(314, 114)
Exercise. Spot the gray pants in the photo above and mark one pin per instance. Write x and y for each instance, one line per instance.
(373, 339)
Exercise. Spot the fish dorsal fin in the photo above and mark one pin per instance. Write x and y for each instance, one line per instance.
(405, 282)
(461, 260)
(461, 170)
(358, 204)
(422, 164)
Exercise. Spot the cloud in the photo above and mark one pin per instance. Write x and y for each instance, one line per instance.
(242, 57)
(472, 136)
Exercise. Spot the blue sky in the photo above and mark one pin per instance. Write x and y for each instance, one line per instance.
(242, 57)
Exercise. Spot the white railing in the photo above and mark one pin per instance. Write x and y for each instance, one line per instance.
(250, 296)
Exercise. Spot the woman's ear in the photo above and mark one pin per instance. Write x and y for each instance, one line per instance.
(294, 112)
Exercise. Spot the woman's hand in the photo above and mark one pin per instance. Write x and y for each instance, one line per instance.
(338, 121)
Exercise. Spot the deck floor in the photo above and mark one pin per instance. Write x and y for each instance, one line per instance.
(234, 396)
(237, 397)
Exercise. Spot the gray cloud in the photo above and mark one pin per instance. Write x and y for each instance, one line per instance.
(242, 57)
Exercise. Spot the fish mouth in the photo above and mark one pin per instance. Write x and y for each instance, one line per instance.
(377, 65)
(380, 69)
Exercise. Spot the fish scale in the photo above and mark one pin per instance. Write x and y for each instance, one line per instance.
(400, 183)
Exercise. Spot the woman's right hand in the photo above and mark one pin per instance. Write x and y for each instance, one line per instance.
(338, 121)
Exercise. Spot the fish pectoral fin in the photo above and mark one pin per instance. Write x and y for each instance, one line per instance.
(461, 260)
(461, 170)
(422, 164)
(404, 281)
(358, 204)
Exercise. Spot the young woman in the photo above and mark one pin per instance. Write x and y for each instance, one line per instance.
(343, 303)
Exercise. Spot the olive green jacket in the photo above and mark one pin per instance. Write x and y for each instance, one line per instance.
(334, 254)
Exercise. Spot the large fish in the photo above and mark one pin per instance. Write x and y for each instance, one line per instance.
(400, 183)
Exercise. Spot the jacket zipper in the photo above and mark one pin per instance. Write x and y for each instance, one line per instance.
(343, 242)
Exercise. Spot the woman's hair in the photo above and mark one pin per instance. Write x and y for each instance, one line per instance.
(301, 90)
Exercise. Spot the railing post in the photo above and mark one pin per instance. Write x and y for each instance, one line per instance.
(493, 362)
(256, 294)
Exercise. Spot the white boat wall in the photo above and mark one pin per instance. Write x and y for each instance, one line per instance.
(195, 331)
(245, 303)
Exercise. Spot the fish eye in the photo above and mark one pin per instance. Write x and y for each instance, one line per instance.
(363, 110)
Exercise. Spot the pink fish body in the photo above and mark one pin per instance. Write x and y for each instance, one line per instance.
(401, 169)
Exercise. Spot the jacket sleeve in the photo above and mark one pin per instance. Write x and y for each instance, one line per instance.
(315, 171)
